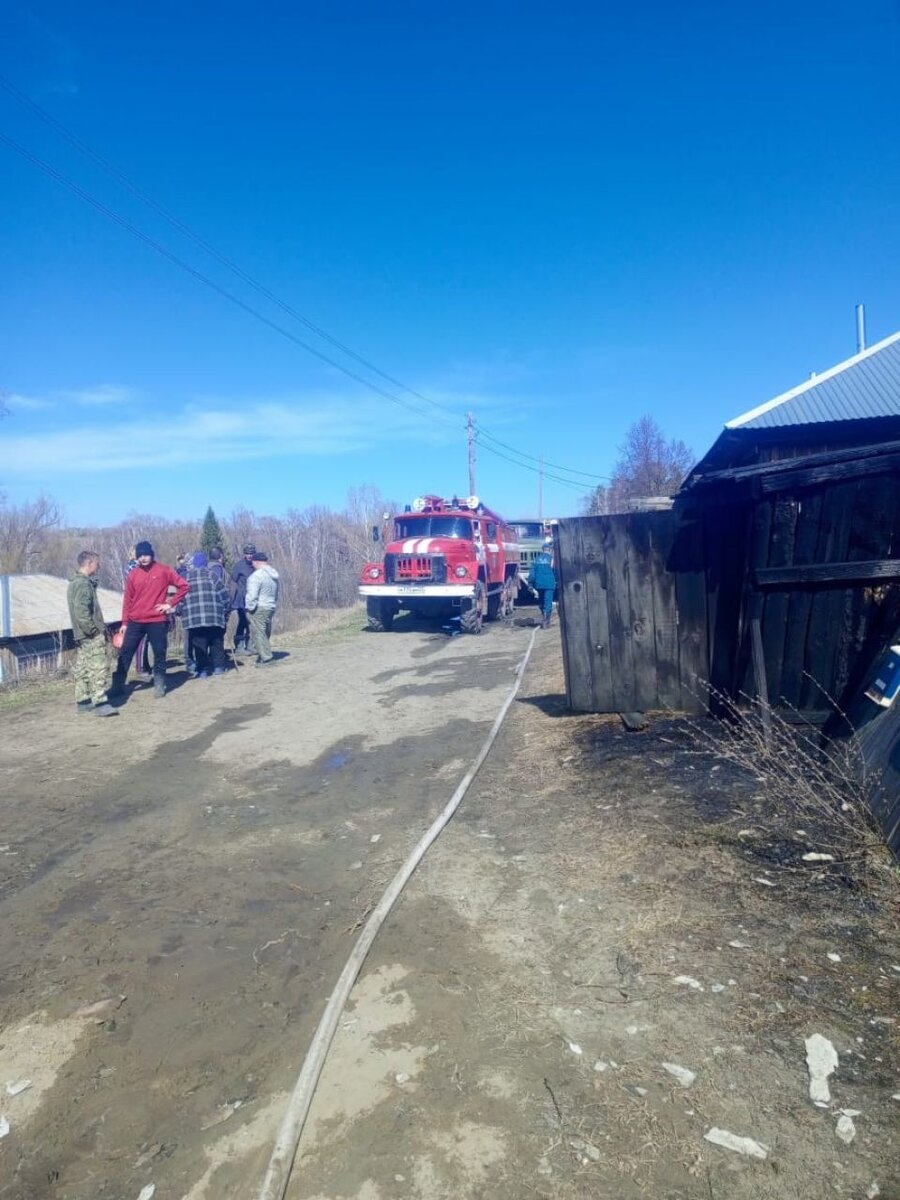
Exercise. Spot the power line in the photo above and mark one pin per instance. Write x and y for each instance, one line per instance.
(569, 483)
(196, 238)
(112, 215)
(244, 275)
(483, 433)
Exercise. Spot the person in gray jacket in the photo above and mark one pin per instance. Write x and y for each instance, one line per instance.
(261, 602)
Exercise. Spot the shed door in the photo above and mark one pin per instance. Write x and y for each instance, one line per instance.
(633, 611)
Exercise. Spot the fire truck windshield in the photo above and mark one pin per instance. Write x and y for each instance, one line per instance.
(420, 527)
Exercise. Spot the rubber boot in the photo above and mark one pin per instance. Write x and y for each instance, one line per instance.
(117, 685)
(545, 624)
(159, 684)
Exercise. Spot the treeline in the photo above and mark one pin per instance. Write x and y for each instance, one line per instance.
(317, 551)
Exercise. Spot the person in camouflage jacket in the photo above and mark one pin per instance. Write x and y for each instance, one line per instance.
(92, 666)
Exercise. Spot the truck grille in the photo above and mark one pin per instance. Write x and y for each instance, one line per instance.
(423, 568)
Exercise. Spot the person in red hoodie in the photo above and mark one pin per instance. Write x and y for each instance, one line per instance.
(146, 606)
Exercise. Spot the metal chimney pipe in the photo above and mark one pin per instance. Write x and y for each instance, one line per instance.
(860, 328)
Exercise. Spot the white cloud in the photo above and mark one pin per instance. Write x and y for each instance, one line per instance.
(20, 403)
(89, 397)
(103, 393)
(206, 433)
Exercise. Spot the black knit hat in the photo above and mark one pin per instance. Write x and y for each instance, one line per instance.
(258, 556)
(142, 549)
(249, 549)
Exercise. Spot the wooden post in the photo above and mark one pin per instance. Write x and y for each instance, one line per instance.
(759, 667)
(470, 432)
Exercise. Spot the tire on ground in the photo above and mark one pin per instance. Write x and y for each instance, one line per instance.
(470, 618)
(380, 613)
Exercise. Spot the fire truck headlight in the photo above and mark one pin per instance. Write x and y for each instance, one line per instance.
(374, 572)
(462, 572)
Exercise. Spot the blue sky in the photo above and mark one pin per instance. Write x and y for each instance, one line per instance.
(561, 217)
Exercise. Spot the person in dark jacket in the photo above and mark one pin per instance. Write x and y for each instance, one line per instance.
(145, 613)
(217, 564)
(204, 614)
(182, 562)
(542, 578)
(89, 631)
(239, 576)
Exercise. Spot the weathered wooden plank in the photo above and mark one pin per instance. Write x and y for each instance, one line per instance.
(639, 528)
(838, 574)
(596, 581)
(775, 609)
(830, 473)
(827, 606)
(573, 615)
(665, 609)
(760, 526)
(621, 641)
(800, 462)
(690, 586)
(800, 600)
(725, 530)
(870, 539)
(760, 683)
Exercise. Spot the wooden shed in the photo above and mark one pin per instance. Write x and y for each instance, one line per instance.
(776, 574)
(35, 630)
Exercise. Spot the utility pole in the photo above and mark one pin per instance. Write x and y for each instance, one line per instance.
(470, 433)
(541, 490)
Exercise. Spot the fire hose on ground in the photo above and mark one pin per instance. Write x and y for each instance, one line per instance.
(281, 1163)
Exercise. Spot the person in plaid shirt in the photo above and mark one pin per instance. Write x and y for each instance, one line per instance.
(204, 614)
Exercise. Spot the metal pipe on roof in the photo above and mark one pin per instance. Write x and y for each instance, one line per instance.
(860, 328)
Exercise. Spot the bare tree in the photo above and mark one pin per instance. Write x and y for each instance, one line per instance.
(648, 465)
(318, 552)
(596, 503)
(365, 509)
(25, 531)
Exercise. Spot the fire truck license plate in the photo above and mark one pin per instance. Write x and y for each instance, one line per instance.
(414, 589)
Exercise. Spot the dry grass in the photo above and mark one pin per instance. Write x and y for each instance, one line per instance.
(34, 689)
(322, 625)
(821, 785)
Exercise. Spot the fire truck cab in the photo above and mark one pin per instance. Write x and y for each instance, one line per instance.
(443, 558)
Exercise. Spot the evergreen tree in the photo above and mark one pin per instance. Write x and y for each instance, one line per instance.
(212, 536)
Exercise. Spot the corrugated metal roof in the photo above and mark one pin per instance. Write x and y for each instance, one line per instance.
(866, 385)
(37, 604)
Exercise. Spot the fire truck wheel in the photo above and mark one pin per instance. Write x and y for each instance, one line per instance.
(380, 614)
(470, 618)
(508, 598)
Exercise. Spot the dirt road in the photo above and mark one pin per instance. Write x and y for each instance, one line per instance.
(210, 856)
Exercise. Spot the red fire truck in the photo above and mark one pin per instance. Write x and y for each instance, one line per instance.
(443, 558)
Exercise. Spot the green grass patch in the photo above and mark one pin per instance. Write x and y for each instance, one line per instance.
(38, 691)
(324, 626)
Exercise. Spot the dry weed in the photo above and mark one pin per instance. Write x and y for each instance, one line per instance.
(822, 785)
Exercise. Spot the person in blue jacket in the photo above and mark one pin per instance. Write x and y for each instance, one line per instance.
(542, 578)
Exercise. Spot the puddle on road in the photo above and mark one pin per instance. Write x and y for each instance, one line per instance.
(339, 759)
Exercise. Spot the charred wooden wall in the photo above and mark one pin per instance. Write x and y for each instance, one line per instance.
(633, 605)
